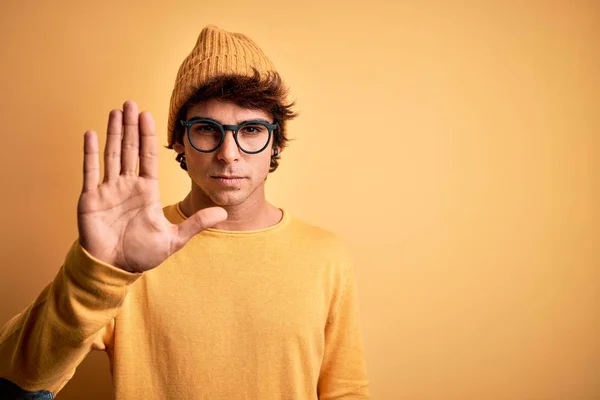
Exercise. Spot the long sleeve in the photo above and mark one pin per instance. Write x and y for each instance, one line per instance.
(41, 347)
(343, 372)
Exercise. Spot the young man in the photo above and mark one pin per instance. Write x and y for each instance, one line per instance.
(220, 296)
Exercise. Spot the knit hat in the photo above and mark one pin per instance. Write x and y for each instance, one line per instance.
(216, 53)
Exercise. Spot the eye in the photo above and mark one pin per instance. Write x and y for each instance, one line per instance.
(253, 129)
(203, 127)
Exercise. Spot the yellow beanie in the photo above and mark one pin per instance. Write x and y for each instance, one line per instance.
(216, 53)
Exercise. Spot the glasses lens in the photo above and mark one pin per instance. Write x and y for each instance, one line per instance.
(253, 137)
(205, 135)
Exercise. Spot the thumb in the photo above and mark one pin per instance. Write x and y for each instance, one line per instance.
(203, 219)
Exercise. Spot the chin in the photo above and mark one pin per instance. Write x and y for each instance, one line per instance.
(228, 198)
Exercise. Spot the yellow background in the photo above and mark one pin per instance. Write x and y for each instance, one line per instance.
(454, 145)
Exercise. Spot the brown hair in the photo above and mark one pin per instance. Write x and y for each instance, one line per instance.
(266, 93)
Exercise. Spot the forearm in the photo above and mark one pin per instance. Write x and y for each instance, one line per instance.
(41, 347)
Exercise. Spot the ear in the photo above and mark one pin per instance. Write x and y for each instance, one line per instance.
(178, 147)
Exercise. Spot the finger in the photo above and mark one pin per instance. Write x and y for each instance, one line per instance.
(131, 141)
(91, 162)
(112, 150)
(203, 219)
(148, 147)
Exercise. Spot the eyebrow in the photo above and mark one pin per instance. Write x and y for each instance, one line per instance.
(239, 123)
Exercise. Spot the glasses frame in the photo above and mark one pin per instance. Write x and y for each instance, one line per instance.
(233, 128)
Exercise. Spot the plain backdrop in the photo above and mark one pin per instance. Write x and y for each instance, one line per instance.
(454, 145)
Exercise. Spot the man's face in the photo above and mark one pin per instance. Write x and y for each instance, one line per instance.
(211, 173)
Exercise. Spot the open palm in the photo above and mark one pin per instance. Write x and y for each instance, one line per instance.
(120, 220)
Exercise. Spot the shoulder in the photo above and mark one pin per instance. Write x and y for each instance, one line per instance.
(316, 234)
(318, 241)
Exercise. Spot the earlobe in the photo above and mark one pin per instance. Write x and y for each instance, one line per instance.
(182, 162)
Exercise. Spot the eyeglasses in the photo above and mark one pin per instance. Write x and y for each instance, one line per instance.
(206, 135)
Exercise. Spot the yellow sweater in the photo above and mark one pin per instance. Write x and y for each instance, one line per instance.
(264, 314)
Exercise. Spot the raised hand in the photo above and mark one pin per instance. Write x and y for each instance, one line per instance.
(120, 220)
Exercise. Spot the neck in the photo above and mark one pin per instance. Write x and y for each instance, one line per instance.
(254, 213)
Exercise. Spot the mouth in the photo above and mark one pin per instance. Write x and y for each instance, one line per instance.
(228, 180)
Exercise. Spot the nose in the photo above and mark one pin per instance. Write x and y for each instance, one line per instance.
(228, 152)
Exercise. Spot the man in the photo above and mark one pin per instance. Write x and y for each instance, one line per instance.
(220, 296)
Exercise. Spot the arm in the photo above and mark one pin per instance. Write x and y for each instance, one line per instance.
(41, 347)
(343, 372)
(124, 232)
